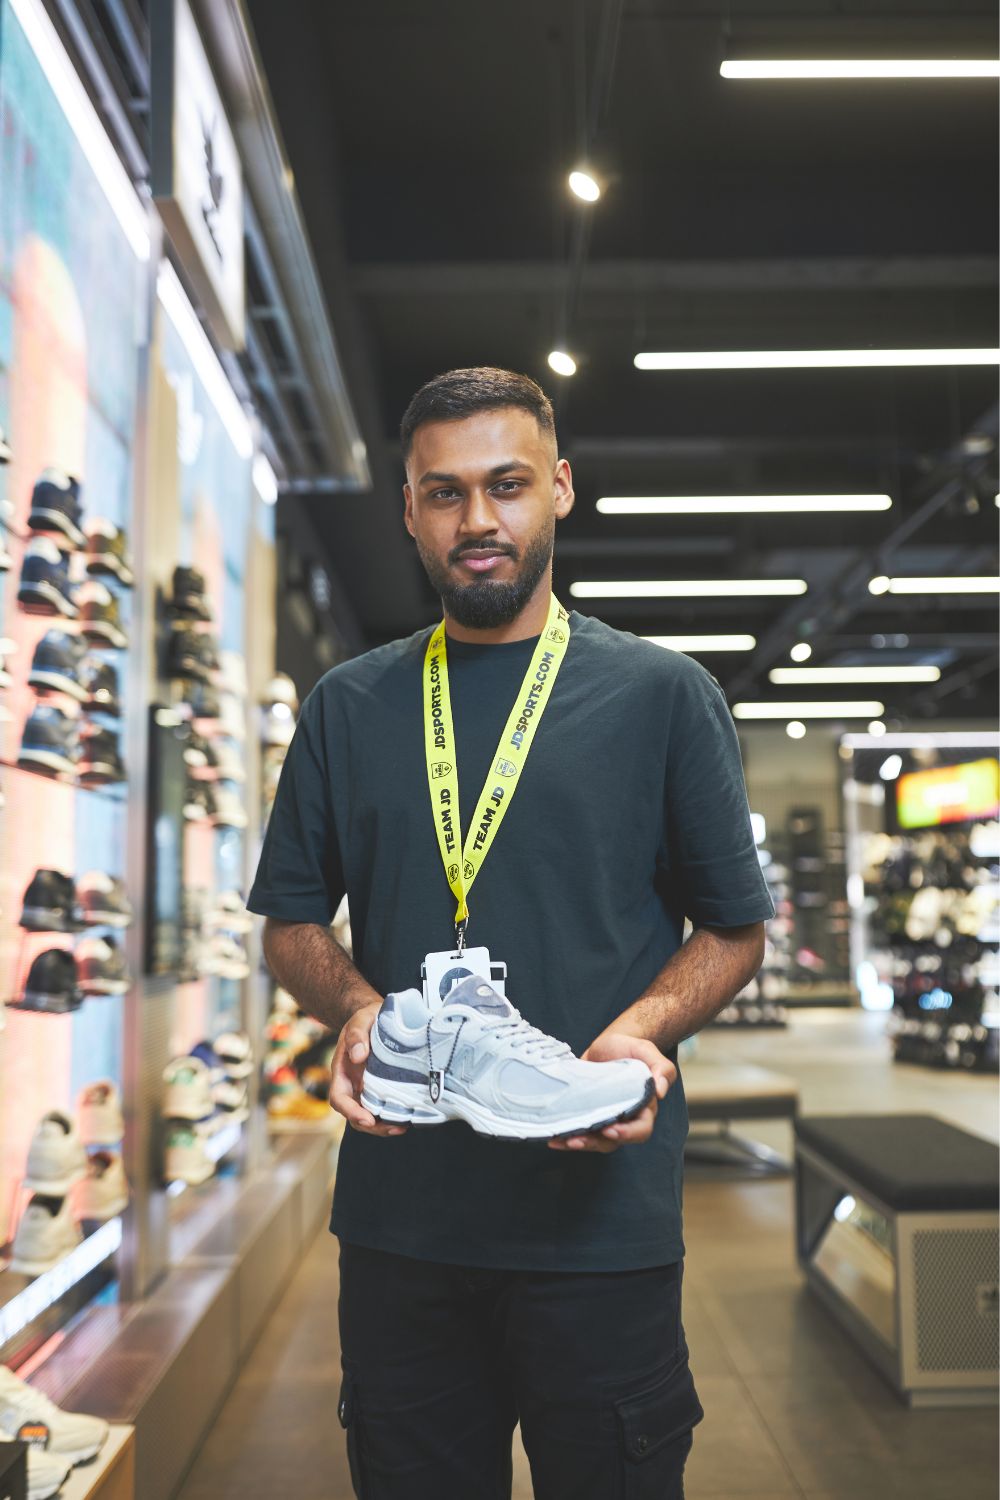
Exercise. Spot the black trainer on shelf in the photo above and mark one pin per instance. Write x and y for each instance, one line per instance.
(55, 506)
(6, 516)
(107, 552)
(101, 967)
(45, 586)
(197, 807)
(99, 615)
(51, 984)
(56, 664)
(50, 903)
(50, 742)
(184, 657)
(188, 600)
(205, 707)
(196, 749)
(100, 758)
(100, 685)
(6, 451)
(102, 900)
(6, 647)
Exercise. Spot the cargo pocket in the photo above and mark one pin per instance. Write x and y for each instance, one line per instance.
(655, 1427)
(350, 1420)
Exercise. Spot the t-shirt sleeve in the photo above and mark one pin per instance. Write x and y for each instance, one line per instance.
(709, 848)
(300, 875)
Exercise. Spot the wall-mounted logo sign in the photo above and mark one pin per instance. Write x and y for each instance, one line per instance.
(196, 172)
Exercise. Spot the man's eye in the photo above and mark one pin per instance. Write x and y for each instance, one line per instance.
(443, 494)
(508, 486)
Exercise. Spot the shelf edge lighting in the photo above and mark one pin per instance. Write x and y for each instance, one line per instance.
(173, 300)
(265, 481)
(962, 584)
(723, 505)
(688, 588)
(789, 676)
(862, 67)
(703, 642)
(46, 1289)
(812, 359)
(85, 123)
(862, 708)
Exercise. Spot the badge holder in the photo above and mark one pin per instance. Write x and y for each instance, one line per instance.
(439, 971)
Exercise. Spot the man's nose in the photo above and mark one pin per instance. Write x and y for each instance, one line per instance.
(478, 515)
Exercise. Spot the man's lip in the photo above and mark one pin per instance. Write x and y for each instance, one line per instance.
(481, 562)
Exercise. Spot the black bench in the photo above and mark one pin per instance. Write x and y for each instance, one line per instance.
(897, 1231)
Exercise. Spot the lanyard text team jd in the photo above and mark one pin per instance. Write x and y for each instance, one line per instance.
(463, 865)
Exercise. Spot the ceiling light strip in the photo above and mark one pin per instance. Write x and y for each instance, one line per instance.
(861, 67)
(699, 643)
(688, 588)
(862, 708)
(963, 584)
(812, 359)
(720, 505)
(789, 676)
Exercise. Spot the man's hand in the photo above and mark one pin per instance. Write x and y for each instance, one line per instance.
(347, 1072)
(607, 1047)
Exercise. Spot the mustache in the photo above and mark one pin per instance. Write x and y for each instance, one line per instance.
(497, 549)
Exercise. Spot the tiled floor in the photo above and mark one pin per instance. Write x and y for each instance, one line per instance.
(792, 1410)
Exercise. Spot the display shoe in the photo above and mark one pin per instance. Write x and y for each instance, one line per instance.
(6, 451)
(50, 903)
(101, 967)
(281, 689)
(55, 506)
(228, 913)
(196, 801)
(56, 665)
(102, 900)
(186, 1157)
(99, 614)
(50, 741)
(100, 684)
(7, 647)
(226, 957)
(56, 1158)
(229, 811)
(100, 759)
(107, 551)
(68, 1435)
(208, 657)
(228, 765)
(279, 725)
(231, 718)
(206, 766)
(476, 1059)
(184, 660)
(235, 1052)
(6, 561)
(232, 1099)
(207, 1054)
(103, 1193)
(188, 1094)
(188, 599)
(233, 673)
(99, 1117)
(45, 587)
(46, 1232)
(51, 984)
(291, 1106)
(46, 1473)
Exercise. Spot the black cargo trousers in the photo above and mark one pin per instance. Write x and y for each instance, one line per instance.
(440, 1362)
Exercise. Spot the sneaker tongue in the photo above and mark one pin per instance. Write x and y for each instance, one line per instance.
(479, 995)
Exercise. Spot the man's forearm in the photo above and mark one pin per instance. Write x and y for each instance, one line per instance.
(693, 986)
(310, 964)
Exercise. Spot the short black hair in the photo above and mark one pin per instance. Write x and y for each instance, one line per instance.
(462, 393)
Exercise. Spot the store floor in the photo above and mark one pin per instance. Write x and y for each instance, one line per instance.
(792, 1409)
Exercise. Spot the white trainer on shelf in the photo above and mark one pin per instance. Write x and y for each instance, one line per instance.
(56, 1158)
(46, 1473)
(99, 1114)
(189, 1089)
(185, 1156)
(46, 1232)
(31, 1416)
(103, 1193)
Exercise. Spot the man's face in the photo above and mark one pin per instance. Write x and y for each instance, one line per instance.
(483, 494)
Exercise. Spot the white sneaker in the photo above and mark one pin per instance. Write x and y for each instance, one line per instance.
(46, 1232)
(232, 721)
(189, 1089)
(476, 1059)
(99, 1114)
(67, 1435)
(46, 1473)
(229, 811)
(228, 765)
(185, 1157)
(56, 1158)
(229, 914)
(103, 1193)
(235, 1052)
(226, 957)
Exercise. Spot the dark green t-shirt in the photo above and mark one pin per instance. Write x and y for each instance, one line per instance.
(630, 814)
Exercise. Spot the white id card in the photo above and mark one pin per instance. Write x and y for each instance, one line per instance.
(439, 971)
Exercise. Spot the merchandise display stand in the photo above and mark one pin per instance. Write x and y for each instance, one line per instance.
(112, 1474)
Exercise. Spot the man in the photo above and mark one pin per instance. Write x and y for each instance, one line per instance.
(484, 1281)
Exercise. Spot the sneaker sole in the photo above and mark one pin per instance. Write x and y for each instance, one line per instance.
(46, 919)
(409, 1104)
(110, 567)
(45, 599)
(96, 918)
(58, 682)
(50, 760)
(55, 520)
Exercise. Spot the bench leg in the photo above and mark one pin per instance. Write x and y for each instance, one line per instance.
(724, 1149)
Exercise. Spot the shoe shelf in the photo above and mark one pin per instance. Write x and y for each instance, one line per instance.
(111, 1476)
(114, 791)
(32, 1309)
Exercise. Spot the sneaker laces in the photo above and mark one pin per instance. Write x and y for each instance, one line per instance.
(523, 1036)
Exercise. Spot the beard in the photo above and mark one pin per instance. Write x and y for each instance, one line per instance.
(486, 603)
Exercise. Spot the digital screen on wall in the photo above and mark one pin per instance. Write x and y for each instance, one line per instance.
(949, 794)
(165, 863)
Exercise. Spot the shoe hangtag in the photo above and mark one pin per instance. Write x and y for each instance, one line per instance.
(440, 971)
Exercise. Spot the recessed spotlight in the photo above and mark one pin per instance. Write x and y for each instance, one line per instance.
(890, 768)
(876, 728)
(879, 585)
(584, 185)
(801, 652)
(562, 363)
(795, 730)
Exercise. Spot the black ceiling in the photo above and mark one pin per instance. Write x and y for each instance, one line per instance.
(430, 143)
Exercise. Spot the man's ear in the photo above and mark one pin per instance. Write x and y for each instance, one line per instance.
(565, 495)
(408, 509)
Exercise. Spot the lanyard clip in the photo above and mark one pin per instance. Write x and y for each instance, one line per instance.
(460, 936)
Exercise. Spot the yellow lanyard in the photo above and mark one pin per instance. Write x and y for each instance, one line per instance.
(463, 865)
